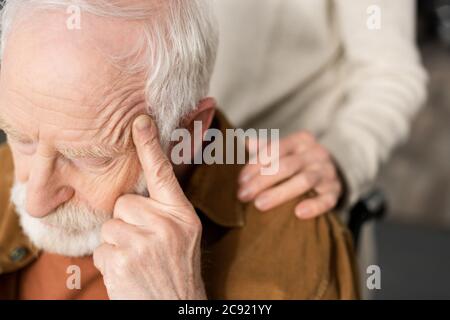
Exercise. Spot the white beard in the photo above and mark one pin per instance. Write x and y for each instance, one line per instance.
(71, 230)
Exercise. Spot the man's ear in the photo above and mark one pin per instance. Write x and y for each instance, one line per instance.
(204, 113)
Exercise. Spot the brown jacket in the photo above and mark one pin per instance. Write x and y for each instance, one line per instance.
(246, 254)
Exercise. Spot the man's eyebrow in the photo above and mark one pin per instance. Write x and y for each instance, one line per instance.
(97, 151)
(100, 151)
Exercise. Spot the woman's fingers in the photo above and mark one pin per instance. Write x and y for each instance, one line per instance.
(311, 208)
(304, 165)
(294, 144)
(288, 166)
(288, 190)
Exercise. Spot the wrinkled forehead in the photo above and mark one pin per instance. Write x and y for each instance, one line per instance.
(46, 53)
(69, 71)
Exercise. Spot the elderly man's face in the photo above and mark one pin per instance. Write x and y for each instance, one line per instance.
(68, 112)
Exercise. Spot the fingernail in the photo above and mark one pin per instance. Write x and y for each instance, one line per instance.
(262, 203)
(302, 212)
(243, 194)
(142, 122)
(244, 178)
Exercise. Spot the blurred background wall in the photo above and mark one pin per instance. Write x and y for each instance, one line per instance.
(417, 178)
(414, 240)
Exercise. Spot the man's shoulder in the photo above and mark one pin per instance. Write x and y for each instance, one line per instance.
(6, 171)
(278, 256)
(6, 178)
(5, 156)
(311, 258)
(16, 250)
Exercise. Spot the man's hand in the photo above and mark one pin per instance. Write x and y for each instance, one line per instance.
(151, 247)
(304, 165)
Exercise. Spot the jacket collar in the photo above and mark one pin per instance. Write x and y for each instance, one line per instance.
(16, 250)
(211, 189)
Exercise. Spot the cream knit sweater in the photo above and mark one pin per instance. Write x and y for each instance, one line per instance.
(316, 65)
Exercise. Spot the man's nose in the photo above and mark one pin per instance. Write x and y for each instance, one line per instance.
(45, 190)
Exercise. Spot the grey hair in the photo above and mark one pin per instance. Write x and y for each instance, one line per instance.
(180, 41)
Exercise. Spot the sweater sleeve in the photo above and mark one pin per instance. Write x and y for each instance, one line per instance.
(385, 86)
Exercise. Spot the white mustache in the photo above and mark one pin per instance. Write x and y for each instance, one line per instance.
(71, 230)
(70, 217)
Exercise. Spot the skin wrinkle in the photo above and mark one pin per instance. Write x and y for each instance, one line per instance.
(9, 129)
(51, 96)
(113, 128)
(120, 141)
(60, 112)
(120, 133)
(110, 92)
(13, 132)
(113, 142)
(133, 102)
(96, 110)
(13, 129)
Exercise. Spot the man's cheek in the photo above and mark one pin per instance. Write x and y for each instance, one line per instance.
(128, 173)
(102, 191)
